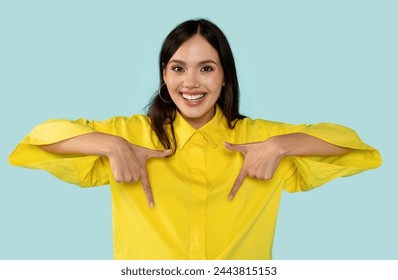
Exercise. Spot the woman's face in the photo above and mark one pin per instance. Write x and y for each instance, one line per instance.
(194, 78)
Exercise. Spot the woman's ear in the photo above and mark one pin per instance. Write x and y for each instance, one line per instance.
(164, 71)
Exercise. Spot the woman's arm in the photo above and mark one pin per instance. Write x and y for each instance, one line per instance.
(94, 143)
(300, 144)
(127, 161)
(262, 158)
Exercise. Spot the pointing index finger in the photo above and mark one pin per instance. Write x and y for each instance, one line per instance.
(147, 189)
(238, 182)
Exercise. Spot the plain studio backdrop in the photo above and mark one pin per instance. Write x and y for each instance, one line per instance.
(297, 61)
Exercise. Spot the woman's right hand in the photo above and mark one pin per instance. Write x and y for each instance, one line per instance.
(128, 161)
(128, 164)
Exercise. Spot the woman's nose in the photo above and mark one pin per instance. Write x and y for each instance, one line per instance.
(191, 80)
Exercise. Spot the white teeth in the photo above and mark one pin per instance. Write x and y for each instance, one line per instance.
(193, 96)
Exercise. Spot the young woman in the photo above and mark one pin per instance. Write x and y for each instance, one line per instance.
(215, 175)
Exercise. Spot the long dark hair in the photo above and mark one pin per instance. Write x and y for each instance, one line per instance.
(162, 114)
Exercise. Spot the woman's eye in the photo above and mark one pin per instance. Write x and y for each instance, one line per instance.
(178, 69)
(207, 69)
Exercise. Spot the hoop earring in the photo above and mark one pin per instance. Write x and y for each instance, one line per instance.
(160, 95)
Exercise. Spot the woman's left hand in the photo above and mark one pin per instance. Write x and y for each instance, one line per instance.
(261, 160)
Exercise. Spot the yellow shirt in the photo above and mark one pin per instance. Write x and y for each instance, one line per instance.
(192, 217)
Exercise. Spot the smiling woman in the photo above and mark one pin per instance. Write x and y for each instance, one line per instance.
(194, 77)
(191, 154)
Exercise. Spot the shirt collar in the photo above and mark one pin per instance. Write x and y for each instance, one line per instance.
(212, 131)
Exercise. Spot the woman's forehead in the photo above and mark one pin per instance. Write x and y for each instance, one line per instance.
(196, 49)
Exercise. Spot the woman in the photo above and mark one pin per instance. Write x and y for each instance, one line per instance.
(191, 154)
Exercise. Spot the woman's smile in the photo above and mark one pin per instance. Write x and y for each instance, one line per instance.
(193, 98)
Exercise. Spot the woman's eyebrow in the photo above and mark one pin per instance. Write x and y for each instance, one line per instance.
(177, 61)
(207, 61)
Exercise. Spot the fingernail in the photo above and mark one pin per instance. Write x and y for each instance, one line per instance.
(151, 204)
(230, 197)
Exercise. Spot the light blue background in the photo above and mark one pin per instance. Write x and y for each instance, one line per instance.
(298, 62)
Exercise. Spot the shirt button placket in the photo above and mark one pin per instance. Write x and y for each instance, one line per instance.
(199, 195)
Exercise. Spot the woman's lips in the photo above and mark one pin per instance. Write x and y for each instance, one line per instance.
(194, 98)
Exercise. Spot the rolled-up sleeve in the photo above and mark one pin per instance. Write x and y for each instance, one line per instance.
(81, 170)
(309, 172)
